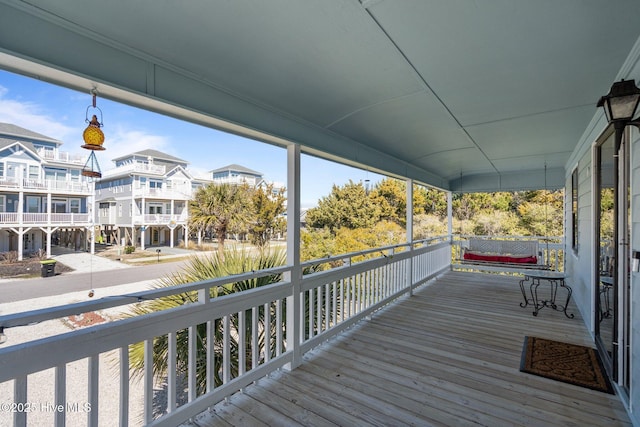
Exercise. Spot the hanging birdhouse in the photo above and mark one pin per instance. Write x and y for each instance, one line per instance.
(93, 140)
(92, 168)
(93, 136)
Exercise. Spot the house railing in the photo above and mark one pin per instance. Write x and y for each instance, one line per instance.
(234, 339)
(43, 218)
(61, 156)
(51, 185)
(177, 192)
(160, 219)
(136, 167)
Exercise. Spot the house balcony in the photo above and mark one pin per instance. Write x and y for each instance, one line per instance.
(178, 193)
(61, 156)
(9, 184)
(398, 339)
(14, 219)
(238, 180)
(159, 219)
(136, 167)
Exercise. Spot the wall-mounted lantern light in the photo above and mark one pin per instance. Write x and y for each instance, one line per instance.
(620, 106)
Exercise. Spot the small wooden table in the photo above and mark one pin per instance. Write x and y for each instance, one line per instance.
(554, 279)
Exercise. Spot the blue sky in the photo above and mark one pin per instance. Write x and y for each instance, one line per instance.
(60, 113)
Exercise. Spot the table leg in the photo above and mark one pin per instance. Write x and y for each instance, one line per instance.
(537, 305)
(524, 293)
(566, 304)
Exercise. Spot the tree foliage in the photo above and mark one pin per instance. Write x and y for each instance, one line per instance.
(226, 208)
(391, 196)
(199, 269)
(345, 220)
(220, 208)
(347, 206)
(267, 209)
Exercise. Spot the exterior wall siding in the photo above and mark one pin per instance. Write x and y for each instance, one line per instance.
(578, 262)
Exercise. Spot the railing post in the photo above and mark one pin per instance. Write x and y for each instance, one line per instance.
(294, 276)
(409, 273)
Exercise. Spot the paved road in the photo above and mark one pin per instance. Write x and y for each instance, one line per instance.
(23, 289)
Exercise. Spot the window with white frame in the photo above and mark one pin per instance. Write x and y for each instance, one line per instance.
(33, 204)
(1, 169)
(75, 175)
(34, 172)
(74, 205)
(55, 174)
(3, 202)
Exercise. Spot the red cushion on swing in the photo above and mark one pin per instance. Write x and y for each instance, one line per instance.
(520, 259)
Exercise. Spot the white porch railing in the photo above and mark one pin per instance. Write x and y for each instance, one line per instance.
(42, 218)
(50, 185)
(160, 219)
(136, 167)
(61, 156)
(249, 325)
(176, 193)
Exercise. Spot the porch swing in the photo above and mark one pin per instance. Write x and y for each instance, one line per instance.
(499, 255)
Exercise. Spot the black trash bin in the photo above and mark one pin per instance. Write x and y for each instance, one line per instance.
(48, 268)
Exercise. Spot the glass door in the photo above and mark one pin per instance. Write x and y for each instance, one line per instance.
(605, 250)
(612, 231)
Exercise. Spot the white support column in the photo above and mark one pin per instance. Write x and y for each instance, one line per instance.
(49, 231)
(449, 214)
(92, 230)
(294, 309)
(49, 213)
(409, 230)
(185, 235)
(144, 224)
(20, 220)
(172, 221)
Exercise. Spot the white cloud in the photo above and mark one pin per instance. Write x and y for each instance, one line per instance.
(31, 116)
(121, 141)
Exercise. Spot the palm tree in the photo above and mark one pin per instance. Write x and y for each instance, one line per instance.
(203, 268)
(220, 208)
(268, 207)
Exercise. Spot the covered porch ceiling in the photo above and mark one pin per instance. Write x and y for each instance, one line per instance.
(460, 94)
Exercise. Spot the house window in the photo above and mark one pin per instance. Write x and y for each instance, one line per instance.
(574, 209)
(3, 203)
(59, 205)
(74, 205)
(75, 175)
(34, 172)
(55, 174)
(1, 169)
(33, 204)
(155, 208)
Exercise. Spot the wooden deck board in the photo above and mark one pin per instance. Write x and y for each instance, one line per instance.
(449, 355)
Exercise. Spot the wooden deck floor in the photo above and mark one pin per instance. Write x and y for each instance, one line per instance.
(447, 356)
